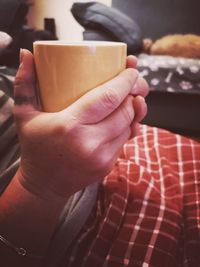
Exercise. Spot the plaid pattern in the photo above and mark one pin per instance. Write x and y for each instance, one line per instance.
(148, 208)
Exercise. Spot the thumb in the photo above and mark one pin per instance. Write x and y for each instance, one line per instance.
(25, 87)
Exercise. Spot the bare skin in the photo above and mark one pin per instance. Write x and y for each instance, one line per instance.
(62, 153)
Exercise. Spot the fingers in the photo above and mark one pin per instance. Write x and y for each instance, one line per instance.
(141, 87)
(109, 152)
(127, 116)
(103, 100)
(117, 123)
(135, 129)
(140, 108)
(131, 62)
(25, 86)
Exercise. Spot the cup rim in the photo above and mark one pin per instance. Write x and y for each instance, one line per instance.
(78, 43)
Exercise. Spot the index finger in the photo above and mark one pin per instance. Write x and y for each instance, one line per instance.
(131, 62)
(98, 103)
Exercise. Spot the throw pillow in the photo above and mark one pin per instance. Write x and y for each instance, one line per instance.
(109, 21)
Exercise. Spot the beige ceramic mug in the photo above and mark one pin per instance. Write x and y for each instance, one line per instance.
(67, 70)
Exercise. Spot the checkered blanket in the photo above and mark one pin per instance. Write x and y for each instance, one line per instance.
(148, 209)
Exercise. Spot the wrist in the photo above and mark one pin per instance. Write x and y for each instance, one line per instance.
(27, 219)
(40, 191)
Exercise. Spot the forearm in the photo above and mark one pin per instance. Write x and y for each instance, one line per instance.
(27, 221)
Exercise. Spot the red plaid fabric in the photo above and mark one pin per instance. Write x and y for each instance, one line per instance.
(148, 210)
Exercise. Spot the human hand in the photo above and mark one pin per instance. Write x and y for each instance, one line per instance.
(63, 152)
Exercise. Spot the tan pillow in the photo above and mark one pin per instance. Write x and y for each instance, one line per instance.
(187, 45)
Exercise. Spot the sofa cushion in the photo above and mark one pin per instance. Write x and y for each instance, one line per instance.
(108, 21)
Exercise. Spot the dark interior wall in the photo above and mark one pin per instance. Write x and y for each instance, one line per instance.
(12, 15)
(160, 17)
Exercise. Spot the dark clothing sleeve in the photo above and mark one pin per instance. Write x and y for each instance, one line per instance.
(9, 145)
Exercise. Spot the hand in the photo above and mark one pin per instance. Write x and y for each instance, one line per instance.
(65, 151)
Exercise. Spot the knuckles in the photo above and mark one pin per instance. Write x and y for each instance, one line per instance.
(136, 82)
(111, 99)
(131, 76)
(141, 87)
(132, 72)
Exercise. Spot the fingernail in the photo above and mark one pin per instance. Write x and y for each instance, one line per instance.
(21, 55)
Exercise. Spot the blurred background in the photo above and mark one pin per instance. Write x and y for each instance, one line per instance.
(67, 27)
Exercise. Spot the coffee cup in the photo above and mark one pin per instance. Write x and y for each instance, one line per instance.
(68, 70)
